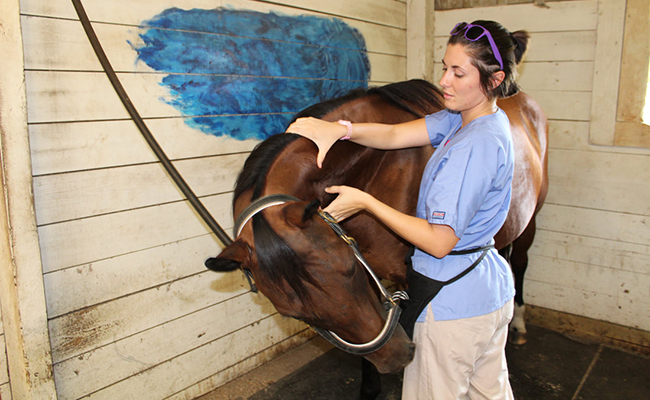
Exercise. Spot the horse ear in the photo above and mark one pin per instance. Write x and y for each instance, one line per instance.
(231, 258)
(298, 216)
(310, 210)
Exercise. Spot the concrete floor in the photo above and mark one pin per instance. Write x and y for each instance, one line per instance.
(550, 366)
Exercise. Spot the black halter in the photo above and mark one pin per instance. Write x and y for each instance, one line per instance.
(392, 300)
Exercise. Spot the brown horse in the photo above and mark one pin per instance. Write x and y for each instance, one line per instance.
(305, 269)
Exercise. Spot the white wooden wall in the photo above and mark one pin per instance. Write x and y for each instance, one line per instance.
(591, 256)
(133, 313)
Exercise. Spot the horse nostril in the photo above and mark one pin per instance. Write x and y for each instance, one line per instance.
(412, 349)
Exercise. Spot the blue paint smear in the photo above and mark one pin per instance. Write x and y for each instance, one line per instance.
(244, 74)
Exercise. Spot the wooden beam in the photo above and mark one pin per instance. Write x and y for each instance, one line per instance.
(420, 39)
(21, 280)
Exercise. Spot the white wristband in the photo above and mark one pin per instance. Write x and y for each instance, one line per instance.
(347, 124)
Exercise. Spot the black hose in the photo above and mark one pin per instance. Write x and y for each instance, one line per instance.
(124, 97)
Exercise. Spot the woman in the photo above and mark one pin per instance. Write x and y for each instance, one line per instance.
(463, 202)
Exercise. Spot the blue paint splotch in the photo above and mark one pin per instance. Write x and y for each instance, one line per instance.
(244, 74)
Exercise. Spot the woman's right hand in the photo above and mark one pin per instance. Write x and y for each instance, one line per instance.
(323, 133)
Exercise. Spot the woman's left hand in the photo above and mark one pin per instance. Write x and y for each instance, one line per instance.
(349, 202)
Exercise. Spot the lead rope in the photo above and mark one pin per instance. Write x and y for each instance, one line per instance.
(137, 119)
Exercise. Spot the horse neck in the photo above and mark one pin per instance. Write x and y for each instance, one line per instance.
(294, 171)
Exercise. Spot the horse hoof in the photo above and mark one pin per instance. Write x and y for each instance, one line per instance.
(517, 338)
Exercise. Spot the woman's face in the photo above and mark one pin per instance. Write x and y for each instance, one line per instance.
(461, 81)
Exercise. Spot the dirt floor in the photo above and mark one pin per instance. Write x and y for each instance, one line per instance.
(550, 366)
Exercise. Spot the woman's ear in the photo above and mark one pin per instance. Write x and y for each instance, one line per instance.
(497, 79)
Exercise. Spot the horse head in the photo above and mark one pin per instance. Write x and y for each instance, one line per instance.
(303, 267)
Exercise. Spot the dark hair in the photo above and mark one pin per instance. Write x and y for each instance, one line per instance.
(512, 47)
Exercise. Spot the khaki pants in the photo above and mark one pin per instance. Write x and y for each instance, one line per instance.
(460, 359)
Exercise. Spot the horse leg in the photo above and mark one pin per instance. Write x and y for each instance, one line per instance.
(370, 381)
(519, 263)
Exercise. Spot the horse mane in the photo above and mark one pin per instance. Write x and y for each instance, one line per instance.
(278, 262)
(416, 96)
(321, 109)
(253, 174)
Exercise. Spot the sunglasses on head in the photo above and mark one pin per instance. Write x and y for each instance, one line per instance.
(474, 33)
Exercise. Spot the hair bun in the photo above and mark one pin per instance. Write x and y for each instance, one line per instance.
(520, 39)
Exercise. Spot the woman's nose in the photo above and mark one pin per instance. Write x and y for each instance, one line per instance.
(444, 81)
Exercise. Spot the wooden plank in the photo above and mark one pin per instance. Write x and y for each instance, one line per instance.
(568, 135)
(80, 146)
(633, 134)
(581, 276)
(68, 96)
(87, 373)
(607, 225)
(579, 179)
(566, 299)
(90, 284)
(568, 106)
(629, 257)
(240, 345)
(80, 242)
(634, 67)
(4, 372)
(556, 76)
(549, 46)
(64, 197)
(614, 335)
(5, 391)
(383, 12)
(87, 329)
(419, 39)
(57, 44)
(575, 135)
(554, 16)
(76, 96)
(387, 68)
(609, 47)
(54, 44)
(564, 106)
(561, 46)
(586, 304)
(21, 282)
(549, 76)
(237, 370)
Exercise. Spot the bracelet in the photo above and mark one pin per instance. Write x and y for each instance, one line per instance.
(348, 124)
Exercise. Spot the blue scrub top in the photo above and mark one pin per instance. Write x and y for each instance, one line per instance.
(467, 185)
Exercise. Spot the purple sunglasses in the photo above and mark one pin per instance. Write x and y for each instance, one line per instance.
(473, 37)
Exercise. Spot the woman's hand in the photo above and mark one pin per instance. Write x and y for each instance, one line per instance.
(323, 133)
(349, 202)
(437, 240)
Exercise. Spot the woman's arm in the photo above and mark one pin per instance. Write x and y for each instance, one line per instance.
(378, 136)
(437, 240)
